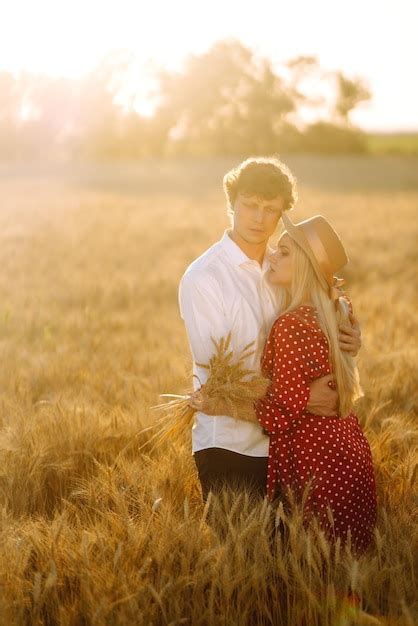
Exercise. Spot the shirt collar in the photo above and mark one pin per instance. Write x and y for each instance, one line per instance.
(238, 257)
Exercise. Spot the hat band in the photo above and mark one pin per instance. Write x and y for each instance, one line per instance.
(335, 291)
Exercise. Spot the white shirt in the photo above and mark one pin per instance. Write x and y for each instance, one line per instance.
(221, 291)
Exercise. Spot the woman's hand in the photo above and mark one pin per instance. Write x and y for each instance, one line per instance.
(199, 401)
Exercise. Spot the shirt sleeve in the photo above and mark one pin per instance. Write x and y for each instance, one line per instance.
(201, 308)
(288, 352)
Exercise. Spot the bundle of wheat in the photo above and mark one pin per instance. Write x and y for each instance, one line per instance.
(229, 383)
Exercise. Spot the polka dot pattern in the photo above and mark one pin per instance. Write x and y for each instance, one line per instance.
(330, 454)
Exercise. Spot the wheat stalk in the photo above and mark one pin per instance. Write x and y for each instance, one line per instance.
(229, 382)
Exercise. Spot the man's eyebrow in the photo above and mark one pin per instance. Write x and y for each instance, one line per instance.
(267, 206)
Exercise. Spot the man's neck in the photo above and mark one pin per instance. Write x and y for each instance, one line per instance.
(253, 251)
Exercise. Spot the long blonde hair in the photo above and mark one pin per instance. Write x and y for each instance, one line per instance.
(306, 284)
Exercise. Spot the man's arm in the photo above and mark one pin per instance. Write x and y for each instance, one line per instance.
(323, 400)
(323, 397)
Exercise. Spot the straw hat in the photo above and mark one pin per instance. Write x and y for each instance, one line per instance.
(324, 248)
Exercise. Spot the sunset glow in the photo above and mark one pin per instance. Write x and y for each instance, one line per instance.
(373, 40)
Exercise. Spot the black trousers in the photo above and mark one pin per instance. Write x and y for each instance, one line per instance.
(217, 468)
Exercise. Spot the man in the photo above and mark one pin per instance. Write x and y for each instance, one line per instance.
(226, 290)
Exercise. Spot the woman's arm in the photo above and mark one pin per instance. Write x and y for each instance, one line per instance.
(288, 393)
(288, 352)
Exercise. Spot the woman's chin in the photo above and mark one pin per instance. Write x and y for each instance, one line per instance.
(274, 279)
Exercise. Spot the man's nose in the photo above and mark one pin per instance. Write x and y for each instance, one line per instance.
(259, 215)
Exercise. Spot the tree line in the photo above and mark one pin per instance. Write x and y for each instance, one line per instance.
(226, 101)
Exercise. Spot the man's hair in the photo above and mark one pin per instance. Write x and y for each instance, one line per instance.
(266, 177)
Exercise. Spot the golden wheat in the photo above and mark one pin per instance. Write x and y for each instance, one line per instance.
(96, 527)
(229, 381)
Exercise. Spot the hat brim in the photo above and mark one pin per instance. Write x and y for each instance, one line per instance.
(300, 238)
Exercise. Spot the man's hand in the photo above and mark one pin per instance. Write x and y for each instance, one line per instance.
(350, 336)
(323, 399)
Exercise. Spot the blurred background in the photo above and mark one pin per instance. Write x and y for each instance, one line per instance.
(130, 80)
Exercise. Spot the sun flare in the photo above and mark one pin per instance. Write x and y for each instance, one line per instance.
(70, 39)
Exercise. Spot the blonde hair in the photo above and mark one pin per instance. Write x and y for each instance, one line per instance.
(306, 284)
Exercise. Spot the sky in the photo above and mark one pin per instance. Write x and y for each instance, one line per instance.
(372, 39)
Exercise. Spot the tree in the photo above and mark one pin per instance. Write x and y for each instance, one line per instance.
(349, 94)
(225, 101)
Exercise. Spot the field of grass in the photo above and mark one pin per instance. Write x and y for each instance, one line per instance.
(99, 528)
(393, 143)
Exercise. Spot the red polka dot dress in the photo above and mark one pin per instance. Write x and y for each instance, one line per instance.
(331, 453)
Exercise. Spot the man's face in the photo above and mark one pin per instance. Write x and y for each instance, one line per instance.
(255, 219)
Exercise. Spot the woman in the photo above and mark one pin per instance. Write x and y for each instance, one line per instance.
(328, 458)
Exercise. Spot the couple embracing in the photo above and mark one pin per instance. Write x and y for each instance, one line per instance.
(303, 435)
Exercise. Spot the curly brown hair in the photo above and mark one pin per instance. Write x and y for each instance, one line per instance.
(266, 177)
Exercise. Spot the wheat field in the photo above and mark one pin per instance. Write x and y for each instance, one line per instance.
(100, 527)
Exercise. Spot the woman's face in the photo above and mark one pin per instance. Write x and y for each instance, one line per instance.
(281, 262)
